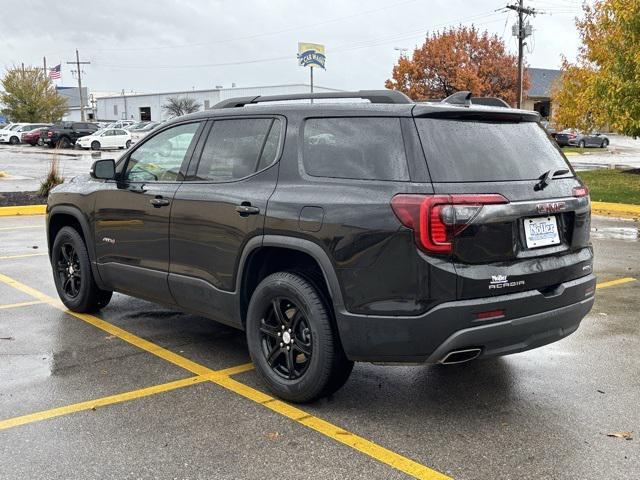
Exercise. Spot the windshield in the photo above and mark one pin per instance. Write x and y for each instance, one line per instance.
(487, 151)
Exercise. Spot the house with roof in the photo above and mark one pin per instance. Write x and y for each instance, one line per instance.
(538, 96)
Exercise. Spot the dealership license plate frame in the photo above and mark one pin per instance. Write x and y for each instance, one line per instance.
(545, 239)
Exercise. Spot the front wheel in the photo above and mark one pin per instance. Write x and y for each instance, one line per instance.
(292, 341)
(95, 145)
(605, 143)
(581, 144)
(14, 140)
(72, 273)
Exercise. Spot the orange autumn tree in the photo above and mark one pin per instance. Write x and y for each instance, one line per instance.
(457, 59)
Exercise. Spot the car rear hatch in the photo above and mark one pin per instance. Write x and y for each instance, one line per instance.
(508, 209)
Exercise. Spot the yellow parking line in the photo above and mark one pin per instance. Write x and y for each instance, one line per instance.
(334, 432)
(21, 304)
(99, 402)
(323, 427)
(24, 255)
(613, 283)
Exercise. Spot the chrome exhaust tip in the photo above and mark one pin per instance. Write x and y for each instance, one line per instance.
(461, 356)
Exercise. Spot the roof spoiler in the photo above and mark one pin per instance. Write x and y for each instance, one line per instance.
(466, 99)
(374, 96)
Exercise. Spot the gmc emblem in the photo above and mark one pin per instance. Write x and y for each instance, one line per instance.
(552, 207)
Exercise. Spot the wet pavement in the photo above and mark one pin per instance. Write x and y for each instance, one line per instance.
(542, 414)
(26, 166)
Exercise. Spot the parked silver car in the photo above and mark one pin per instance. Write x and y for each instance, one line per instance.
(576, 138)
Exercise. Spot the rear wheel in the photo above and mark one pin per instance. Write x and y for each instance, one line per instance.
(292, 341)
(95, 145)
(127, 145)
(581, 144)
(72, 273)
(605, 143)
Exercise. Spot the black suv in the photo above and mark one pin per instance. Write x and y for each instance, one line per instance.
(65, 134)
(387, 231)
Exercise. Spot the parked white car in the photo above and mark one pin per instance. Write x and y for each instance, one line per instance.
(106, 138)
(12, 132)
(139, 133)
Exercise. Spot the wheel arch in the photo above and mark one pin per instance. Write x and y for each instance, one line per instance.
(60, 216)
(270, 253)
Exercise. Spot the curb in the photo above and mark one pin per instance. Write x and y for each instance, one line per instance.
(623, 210)
(23, 210)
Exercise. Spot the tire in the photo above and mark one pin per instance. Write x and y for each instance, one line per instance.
(127, 145)
(14, 140)
(64, 142)
(72, 273)
(95, 145)
(605, 143)
(581, 144)
(320, 366)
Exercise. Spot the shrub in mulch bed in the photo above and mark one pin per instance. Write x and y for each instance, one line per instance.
(10, 199)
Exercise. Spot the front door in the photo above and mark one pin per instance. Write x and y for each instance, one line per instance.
(132, 215)
(219, 208)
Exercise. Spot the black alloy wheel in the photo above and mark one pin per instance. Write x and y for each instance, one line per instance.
(285, 338)
(69, 270)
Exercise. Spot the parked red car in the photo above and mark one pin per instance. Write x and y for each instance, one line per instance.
(32, 137)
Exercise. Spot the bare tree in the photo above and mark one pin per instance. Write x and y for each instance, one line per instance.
(177, 106)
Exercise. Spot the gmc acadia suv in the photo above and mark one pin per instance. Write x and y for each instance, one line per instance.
(380, 231)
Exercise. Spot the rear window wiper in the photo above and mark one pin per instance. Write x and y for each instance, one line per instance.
(544, 178)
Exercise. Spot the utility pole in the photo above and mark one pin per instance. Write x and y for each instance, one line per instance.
(521, 33)
(77, 63)
(44, 61)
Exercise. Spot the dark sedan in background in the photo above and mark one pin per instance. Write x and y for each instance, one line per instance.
(575, 138)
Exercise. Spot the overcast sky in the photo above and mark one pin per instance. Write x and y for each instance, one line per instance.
(164, 45)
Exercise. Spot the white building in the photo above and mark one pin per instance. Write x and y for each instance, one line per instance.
(149, 106)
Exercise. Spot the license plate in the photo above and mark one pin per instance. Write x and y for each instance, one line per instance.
(541, 231)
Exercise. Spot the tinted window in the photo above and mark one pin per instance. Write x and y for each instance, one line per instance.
(160, 157)
(478, 151)
(359, 148)
(237, 148)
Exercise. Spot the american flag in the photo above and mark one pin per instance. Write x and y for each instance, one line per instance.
(55, 72)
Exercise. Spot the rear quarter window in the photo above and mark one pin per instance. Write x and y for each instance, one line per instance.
(487, 151)
(355, 148)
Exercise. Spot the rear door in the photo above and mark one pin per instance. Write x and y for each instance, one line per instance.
(131, 221)
(515, 215)
(220, 207)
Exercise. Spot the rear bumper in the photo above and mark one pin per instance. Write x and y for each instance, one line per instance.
(531, 320)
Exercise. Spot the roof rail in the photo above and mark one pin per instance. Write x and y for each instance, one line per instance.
(374, 96)
(464, 98)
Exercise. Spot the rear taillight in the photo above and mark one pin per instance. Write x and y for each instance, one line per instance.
(437, 219)
(580, 191)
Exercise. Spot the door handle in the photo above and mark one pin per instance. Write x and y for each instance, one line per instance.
(159, 201)
(245, 209)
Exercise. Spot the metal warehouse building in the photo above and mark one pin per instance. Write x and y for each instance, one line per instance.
(149, 106)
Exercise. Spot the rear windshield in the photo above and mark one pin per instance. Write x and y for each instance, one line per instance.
(487, 151)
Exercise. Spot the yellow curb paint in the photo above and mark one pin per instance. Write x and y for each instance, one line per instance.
(21, 304)
(23, 210)
(222, 378)
(24, 255)
(616, 209)
(613, 283)
(99, 402)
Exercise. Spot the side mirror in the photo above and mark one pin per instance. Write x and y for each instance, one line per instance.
(103, 169)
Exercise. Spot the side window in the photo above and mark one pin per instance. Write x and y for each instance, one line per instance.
(119, 132)
(237, 148)
(364, 148)
(159, 159)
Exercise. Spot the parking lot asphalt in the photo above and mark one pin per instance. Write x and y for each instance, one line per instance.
(142, 391)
